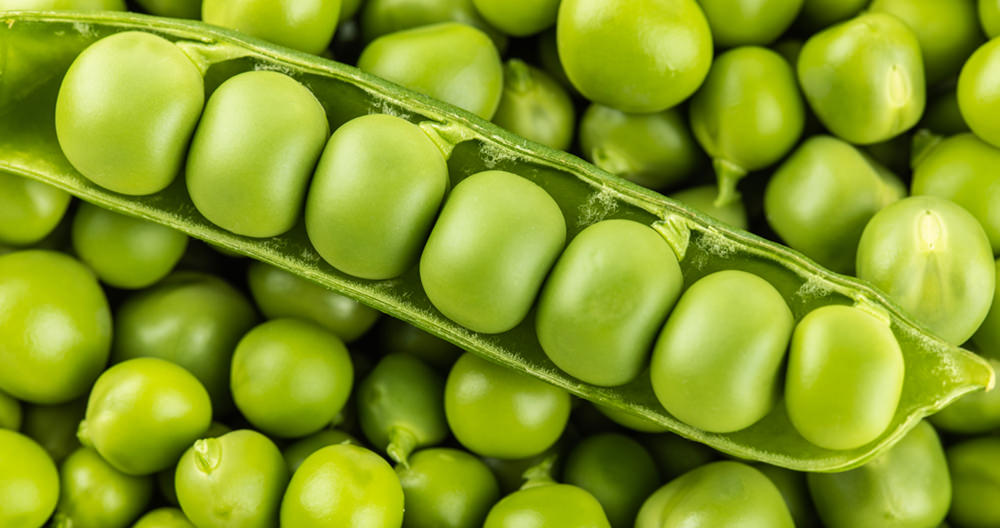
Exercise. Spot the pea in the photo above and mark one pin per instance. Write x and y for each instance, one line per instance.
(360, 491)
(143, 413)
(519, 18)
(236, 479)
(638, 57)
(943, 115)
(535, 106)
(793, 488)
(166, 479)
(172, 8)
(498, 412)
(296, 453)
(126, 110)
(381, 17)
(455, 63)
(254, 151)
(989, 17)
(396, 336)
(908, 485)
(630, 421)
(446, 488)
(987, 337)
(617, 471)
(10, 412)
(717, 494)
(675, 455)
(29, 483)
(54, 426)
(749, 22)
(513, 473)
(940, 267)
(821, 13)
(844, 378)
(496, 239)
(304, 25)
(716, 362)
(864, 79)
(192, 319)
(348, 8)
(93, 494)
(163, 518)
(377, 189)
(290, 378)
(605, 299)
(974, 466)
(702, 199)
(547, 56)
(977, 92)
(821, 197)
(748, 114)
(59, 5)
(547, 505)
(29, 210)
(55, 327)
(974, 413)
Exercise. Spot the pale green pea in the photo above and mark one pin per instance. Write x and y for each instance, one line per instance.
(519, 18)
(306, 25)
(974, 413)
(987, 337)
(29, 482)
(93, 494)
(535, 106)
(978, 97)
(749, 22)
(549, 505)
(29, 210)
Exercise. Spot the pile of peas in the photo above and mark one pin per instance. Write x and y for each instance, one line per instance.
(153, 381)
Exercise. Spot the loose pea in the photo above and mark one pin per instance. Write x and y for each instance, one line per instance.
(29, 210)
(446, 488)
(987, 337)
(496, 411)
(60, 5)
(306, 25)
(974, 413)
(535, 106)
(165, 479)
(381, 17)
(638, 57)
(29, 483)
(795, 491)
(10, 412)
(749, 22)
(496, 239)
(519, 18)
(716, 362)
(978, 97)
(376, 192)
(396, 336)
(55, 327)
(617, 471)
(974, 466)
(844, 378)
(126, 110)
(163, 518)
(933, 258)
(864, 79)
(172, 8)
(54, 426)
(821, 13)
(93, 494)
(989, 17)
(702, 199)
(676, 455)
(548, 505)
(605, 299)
(513, 473)
(295, 454)
(254, 151)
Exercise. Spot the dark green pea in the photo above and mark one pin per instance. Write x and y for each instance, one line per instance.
(126, 110)
(605, 300)
(29, 482)
(675, 455)
(987, 337)
(943, 115)
(496, 239)
(535, 106)
(550, 505)
(795, 491)
(10, 412)
(60, 5)
(306, 25)
(703, 198)
(298, 452)
(519, 18)
(617, 471)
(54, 426)
(29, 210)
(864, 79)
(716, 362)
(974, 413)
(446, 488)
(254, 151)
(172, 8)
(396, 336)
(93, 494)
(547, 56)
(653, 150)
(513, 473)
(978, 97)
(989, 17)
(749, 22)
(381, 17)
(374, 197)
(907, 486)
(164, 518)
(817, 14)
(974, 466)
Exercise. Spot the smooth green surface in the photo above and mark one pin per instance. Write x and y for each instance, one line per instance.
(987, 337)
(29, 483)
(29, 210)
(295, 454)
(975, 413)
(535, 106)
(551, 505)
(748, 22)
(306, 25)
(617, 471)
(974, 466)
(518, 18)
(703, 198)
(164, 518)
(978, 96)
(446, 488)
(54, 426)
(989, 17)
(93, 494)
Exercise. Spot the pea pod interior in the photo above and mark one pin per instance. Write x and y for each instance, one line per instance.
(36, 49)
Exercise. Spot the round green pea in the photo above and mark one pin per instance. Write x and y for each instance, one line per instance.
(498, 412)
(989, 17)
(975, 413)
(54, 426)
(933, 258)
(381, 17)
(519, 18)
(10, 412)
(295, 454)
(492, 246)
(29, 210)
(55, 327)
(93, 494)
(749, 22)
(974, 466)
(844, 378)
(359, 490)
(978, 96)
(987, 336)
(605, 300)
(864, 79)
(126, 110)
(561, 505)
(717, 361)
(172, 8)
(535, 106)
(617, 471)
(396, 336)
(818, 14)
(374, 197)
(446, 488)
(306, 25)
(254, 151)
(143, 413)
(61, 5)
(636, 57)
(29, 482)
(163, 518)
(793, 488)
(513, 473)
(166, 478)
(702, 199)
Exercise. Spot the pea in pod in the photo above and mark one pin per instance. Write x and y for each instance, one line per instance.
(38, 49)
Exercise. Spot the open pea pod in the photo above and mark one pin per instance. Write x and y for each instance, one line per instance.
(36, 49)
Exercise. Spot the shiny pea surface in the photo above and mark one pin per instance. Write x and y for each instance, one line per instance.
(446, 488)
(93, 494)
(29, 483)
(547, 505)
(29, 210)
(305, 25)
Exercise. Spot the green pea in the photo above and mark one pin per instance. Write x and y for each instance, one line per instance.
(974, 413)
(535, 106)
(381, 17)
(605, 299)
(55, 327)
(29, 210)
(822, 13)
(749, 22)
(172, 8)
(29, 483)
(617, 471)
(125, 252)
(192, 319)
(675, 455)
(348, 8)
(820, 199)
(548, 505)
(519, 18)
(143, 413)
(987, 337)
(290, 378)
(630, 421)
(10, 412)
(396, 336)
(126, 110)
(864, 79)
(54, 426)
(446, 488)
(943, 115)
(547, 56)
(637, 57)
(254, 151)
(702, 199)
(932, 257)
(163, 518)
(977, 92)
(989, 17)
(844, 377)
(295, 454)
(717, 494)
(498, 412)
(455, 63)
(748, 114)
(306, 25)
(716, 362)
(496, 239)
(513, 473)
(974, 466)
(377, 189)
(906, 486)
(360, 491)
(165, 479)
(795, 491)
(93, 494)
(60, 5)
(236, 479)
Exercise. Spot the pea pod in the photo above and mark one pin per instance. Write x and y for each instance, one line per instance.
(39, 47)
